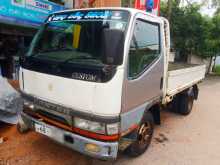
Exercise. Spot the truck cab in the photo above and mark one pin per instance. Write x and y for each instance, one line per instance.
(95, 79)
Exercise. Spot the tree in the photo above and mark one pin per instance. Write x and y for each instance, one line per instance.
(169, 11)
(190, 31)
(216, 3)
(215, 35)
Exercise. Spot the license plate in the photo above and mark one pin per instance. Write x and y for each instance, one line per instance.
(42, 129)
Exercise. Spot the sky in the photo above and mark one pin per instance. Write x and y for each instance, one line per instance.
(206, 10)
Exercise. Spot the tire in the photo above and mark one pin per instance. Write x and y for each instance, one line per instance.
(144, 136)
(22, 127)
(183, 103)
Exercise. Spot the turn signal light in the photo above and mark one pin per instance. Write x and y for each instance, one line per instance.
(92, 148)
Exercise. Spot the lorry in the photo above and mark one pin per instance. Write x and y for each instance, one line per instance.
(95, 80)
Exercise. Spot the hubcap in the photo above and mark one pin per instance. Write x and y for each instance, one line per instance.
(144, 133)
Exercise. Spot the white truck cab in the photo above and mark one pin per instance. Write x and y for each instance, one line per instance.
(96, 79)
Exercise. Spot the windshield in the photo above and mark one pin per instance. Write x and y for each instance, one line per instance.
(75, 37)
(69, 44)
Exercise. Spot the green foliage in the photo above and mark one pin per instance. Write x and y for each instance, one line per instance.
(216, 3)
(217, 69)
(192, 33)
(215, 32)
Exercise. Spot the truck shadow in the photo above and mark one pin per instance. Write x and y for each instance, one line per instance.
(49, 149)
(4, 127)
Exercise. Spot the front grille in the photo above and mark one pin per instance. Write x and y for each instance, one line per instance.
(53, 117)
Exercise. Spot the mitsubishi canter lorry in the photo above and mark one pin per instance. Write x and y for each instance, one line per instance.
(96, 79)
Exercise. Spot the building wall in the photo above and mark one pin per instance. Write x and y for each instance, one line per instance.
(112, 3)
(97, 3)
(217, 62)
(69, 4)
(171, 57)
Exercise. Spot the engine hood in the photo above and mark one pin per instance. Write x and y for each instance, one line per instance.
(102, 99)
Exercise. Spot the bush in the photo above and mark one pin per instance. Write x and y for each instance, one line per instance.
(217, 69)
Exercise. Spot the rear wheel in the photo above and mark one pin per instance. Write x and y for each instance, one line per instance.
(186, 104)
(144, 136)
(183, 102)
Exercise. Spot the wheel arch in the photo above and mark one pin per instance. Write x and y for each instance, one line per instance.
(155, 111)
(195, 91)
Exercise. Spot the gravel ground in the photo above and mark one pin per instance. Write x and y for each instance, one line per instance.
(191, 140)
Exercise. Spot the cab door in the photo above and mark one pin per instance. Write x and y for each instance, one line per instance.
(145, 63)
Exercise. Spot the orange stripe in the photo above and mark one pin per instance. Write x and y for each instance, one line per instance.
(76, 130)
(96, 136)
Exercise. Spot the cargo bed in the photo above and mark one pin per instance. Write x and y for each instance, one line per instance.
(183, 76)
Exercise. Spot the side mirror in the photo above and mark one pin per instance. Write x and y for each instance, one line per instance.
(112, 46)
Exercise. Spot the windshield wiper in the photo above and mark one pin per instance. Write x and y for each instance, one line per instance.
(75, 58)
(39, 53)
(78, 58)
(56, 49)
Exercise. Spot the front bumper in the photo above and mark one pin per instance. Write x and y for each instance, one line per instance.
(108, 150)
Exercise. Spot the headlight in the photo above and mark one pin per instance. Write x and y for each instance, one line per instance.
(112, 129)
(89, 125)
(28, 104)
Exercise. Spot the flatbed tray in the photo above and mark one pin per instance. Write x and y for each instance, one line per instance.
(182, 76)
(177, 66)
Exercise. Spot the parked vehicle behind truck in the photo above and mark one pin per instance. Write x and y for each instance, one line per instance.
(95, 80)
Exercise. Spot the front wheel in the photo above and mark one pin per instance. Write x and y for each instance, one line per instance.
(144, 136)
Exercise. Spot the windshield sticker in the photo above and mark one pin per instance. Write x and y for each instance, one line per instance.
(98, 15)
(58, 18)
(82, 15)
(76, 16)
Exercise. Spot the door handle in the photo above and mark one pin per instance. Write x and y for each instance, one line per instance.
(161, 82)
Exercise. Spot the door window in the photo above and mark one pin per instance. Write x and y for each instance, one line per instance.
(144, 48)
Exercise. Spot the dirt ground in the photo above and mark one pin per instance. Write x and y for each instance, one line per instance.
(191, 140)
